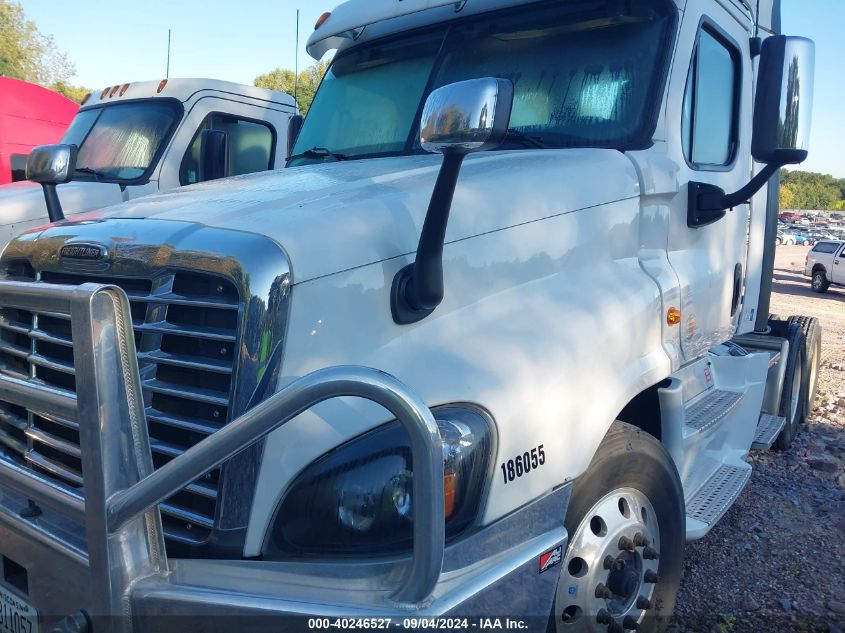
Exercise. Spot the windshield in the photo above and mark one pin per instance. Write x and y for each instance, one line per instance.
(121, 142)
(585, 73)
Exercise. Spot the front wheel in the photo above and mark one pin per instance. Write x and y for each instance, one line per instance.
(626, 537)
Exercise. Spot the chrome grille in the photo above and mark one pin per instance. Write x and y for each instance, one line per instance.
(186, 335)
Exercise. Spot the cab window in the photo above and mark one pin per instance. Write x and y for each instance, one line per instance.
(711, 103)
(18, 167)
(825, 247)
(250, 145)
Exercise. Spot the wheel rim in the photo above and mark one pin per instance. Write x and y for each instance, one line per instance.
(817, 281)
(610, 570)
(796, 393)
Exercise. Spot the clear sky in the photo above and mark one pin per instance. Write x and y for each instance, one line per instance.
(112, 42)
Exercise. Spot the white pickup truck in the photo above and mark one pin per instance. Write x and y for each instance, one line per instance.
(825, 265)
(144, 137)
(495, 343)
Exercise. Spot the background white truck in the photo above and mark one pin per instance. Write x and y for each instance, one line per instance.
(825, 265)
(578, 317)
(143, 137)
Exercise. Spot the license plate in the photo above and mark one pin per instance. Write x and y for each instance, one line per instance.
(16, 614)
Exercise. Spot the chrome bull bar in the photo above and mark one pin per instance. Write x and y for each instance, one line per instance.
(119, 511)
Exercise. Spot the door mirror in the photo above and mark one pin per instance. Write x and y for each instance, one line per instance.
(214, 155)
(784, 104)
(294, 127)
(51, 164)
(467, 116)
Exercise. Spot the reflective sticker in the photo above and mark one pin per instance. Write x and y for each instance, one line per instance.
(551, 559)
(708, 375)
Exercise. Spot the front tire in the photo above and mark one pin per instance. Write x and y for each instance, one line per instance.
(812, 330)
(632, 491)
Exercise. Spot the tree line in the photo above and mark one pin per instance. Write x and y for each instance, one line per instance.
(811, 191)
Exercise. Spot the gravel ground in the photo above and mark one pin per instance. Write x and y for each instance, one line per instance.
(776, 561)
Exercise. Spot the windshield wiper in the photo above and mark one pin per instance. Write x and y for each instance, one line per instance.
(319, 152)
(527, 141)
(93, 172)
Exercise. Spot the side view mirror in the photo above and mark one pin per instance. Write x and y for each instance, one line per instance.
(782, 117)
(214, 155)
(294, 127)
(51, 165)
(458, 119)
(783, 109)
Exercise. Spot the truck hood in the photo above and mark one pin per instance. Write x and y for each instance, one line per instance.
(337, 216)
(22, 202)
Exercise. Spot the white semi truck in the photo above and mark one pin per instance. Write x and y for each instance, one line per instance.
(495, 343)
(145, 137)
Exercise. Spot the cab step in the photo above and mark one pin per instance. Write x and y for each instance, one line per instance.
(710, 410)
(768, 429)
(714, 497)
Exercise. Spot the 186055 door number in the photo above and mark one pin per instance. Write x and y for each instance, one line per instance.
(523, 464)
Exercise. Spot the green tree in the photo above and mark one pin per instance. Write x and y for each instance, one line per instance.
(812, 190)
(27, 54)
(74, 93)
(284, 80)
(787, 197)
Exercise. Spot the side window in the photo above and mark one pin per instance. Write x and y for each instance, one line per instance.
(18, 167)
(825, 247)
(251, 146)
(711, 103)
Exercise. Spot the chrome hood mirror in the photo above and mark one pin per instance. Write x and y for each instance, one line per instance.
(467, 116)
(783, 109)
(458, 119)
(51, 165)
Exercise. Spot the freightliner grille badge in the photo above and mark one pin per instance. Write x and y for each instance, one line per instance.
(90, 252)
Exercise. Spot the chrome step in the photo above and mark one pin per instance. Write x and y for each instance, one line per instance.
(714, 407)
(768, 429)
(717, 494)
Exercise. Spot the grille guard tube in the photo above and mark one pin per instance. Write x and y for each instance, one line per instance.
(122, 522)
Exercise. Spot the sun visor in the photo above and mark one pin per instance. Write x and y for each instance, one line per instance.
(347, 20)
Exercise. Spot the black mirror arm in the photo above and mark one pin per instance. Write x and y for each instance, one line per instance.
(708, 203)
(51, 198)
(418, 288)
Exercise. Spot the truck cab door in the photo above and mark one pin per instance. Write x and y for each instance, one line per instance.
(255, 132)
(709, 139)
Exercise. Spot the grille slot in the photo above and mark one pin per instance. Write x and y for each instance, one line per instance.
(186, 330)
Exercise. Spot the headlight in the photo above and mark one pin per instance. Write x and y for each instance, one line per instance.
(357, 500)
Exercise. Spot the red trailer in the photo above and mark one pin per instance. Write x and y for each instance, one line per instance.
(30, 115)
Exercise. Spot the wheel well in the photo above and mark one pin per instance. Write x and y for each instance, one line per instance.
(819, 267)
(643, 411)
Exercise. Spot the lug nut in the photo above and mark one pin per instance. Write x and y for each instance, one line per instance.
(650, 577)
(643, 603)
(613, 564)
(649, 553)
(641, 541)
(603, 617)
(603, 592)
(630, 624)
(614, 627)
(626, 544)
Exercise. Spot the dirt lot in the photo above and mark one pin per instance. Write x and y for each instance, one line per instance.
(776, 561)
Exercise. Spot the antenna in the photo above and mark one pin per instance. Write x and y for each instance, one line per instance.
(296, 63)
(167, 75)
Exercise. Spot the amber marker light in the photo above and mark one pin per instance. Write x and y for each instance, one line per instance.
(673, 316)
(85, 99)
(104, 93)
(123, 89)
(322, 20)
(161, 86)
(113, 91)
(450, 493)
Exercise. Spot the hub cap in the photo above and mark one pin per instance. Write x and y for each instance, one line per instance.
(609, 575)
